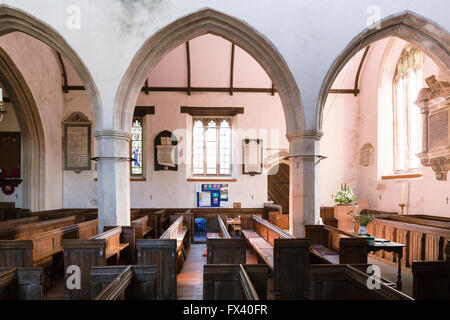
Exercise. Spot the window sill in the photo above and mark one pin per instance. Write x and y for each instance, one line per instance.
(132, 179)
(211, 179)
(403, 176)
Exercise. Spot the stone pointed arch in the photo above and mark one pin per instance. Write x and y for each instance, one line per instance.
(12, 19)
(421, 32)
(32, 133)
(194, 25)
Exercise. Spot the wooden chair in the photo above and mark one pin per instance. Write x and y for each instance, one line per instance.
(237, 227)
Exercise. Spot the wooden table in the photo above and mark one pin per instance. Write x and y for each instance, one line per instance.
(396, 248)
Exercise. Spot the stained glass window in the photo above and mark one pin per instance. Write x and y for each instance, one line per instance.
(407, 125)
(211, 147)
(137, 165)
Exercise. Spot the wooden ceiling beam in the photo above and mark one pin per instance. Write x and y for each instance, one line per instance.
(359, 70)
(188, 57)
(65, 86)
(232, 68)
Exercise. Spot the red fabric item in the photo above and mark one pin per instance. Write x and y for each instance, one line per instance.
(8, 188)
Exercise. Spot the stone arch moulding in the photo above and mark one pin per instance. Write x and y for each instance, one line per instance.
(422, 33)
(32, 133)
(17, 20)
(194, 25)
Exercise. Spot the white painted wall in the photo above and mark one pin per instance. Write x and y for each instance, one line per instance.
(308, 34)
(263, 118)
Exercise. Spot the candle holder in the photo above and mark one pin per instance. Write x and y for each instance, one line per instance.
(402, 206)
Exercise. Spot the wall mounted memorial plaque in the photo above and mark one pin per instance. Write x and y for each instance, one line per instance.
(253, 154)
(77, 142)
(366, 155)
(166, 157)
(434, 104)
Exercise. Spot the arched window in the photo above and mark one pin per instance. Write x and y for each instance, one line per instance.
(407, 125)
(137, 131)
(211, 147)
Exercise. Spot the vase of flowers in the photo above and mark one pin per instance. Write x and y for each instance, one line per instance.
(344, 196)
(343, 207)
(363, 218)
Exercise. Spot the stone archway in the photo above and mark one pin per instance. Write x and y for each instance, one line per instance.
(17, 20)
(32, 133)
(192, 26)
(422, 33)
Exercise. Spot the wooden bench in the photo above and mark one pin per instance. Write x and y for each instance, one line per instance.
(141, 227)
(334, 246)
(234, 282)
(39, 249)
(124, 283)
(102, 249)
(30, 229)
(158, 220)
(286, 256)
(21, 283)
(346, 282)
(81, 215)
(16, 222)
(165, 253)
(431, 279)
(225, 250)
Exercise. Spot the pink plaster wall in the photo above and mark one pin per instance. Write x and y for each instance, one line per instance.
(38, 65)
(371, 117)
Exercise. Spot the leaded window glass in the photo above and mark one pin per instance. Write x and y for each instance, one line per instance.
(137, 164)
(211, 147)
(407, 125)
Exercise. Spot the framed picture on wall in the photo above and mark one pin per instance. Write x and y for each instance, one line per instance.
(252, 156)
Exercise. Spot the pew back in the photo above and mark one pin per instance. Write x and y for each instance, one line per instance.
(349, 248)
(344, 282)
(94, 251)
(234, 282)
(124, 282)
(21, 283)
(31, 229)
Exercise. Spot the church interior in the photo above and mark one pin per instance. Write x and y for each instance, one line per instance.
(195, 165)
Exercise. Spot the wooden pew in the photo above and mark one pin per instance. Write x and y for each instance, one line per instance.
(331, 245)
(30, 229)
(431, 279)
(165, 253)
(98, 250)
(225, 250)
(158, 220)
(345, 282)
(39, 249)
(16, 222)
(81, 215)
(234, 282)
(141, 227)
(286, 256)
(124, 283)
(21, 283)
(425, 237)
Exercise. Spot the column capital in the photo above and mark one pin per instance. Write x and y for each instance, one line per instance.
(112, 134)
(304, 134)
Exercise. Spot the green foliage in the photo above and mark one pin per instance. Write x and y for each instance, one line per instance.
(364, 217)
(345, 195)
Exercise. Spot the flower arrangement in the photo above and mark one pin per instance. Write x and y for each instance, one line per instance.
(364, 217)
(345, 195)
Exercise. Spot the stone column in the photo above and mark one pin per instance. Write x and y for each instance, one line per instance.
(304, 204)
(113, 168)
